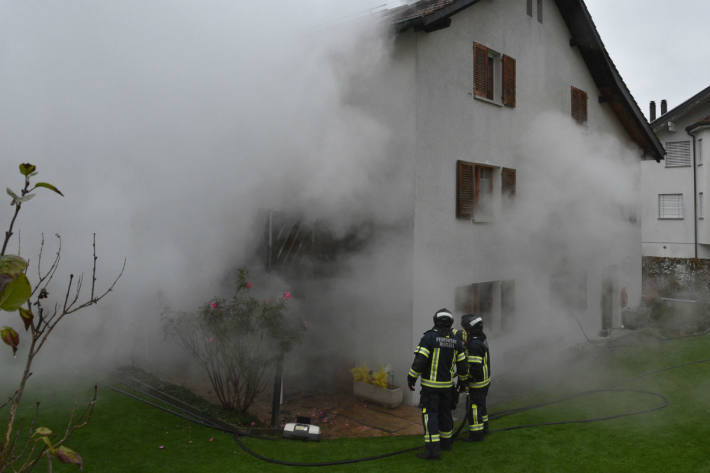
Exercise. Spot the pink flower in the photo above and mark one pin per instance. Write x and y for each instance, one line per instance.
(325, 420)
(162, 446)
(252, 423)
(249, 285)
(287, 295)
(214, 304)
(211, 439)
(211, 340)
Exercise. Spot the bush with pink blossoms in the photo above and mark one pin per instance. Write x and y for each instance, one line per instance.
(237, 341)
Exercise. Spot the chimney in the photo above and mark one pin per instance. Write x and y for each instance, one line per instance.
(664, 107)
(652, 110)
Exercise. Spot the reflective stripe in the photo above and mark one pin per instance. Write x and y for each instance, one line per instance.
(486, 376)
(432, 438)
(484, 418)
(480, 384)
(422, 351)
(475, 359)
(434, 364)
(461, 356)
(475, 424)
(446, 435)
(413, 373)
(425, 419)
(437, 384)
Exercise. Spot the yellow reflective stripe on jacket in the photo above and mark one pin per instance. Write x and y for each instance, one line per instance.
(434, 364)
(475, 359)
(480, 384)
(461, 356)
(413, 373)
(422, 351)
(437, 384)
(486, 375)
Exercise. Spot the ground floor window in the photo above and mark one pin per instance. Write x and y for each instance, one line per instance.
(670, 206)
(493, 300)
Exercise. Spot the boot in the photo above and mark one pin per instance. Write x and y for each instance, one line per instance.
(446, 444)
(431, 453)
(475, 436)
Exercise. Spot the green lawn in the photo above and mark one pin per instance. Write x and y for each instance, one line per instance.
(126, 435)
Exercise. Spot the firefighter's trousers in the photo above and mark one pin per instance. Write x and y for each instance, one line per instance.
(437, 418)
(477, 415)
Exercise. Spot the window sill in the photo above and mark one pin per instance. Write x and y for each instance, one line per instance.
(483, 219)
(671, 218)
(492, 102)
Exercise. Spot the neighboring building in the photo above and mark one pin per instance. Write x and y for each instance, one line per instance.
(675, 193)
(470, 79)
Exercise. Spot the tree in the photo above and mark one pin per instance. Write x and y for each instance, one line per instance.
(39, 316)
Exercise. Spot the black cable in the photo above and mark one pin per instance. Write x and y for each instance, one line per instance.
(237, 435)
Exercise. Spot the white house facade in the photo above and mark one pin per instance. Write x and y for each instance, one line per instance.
(498, 108)
(675, 192)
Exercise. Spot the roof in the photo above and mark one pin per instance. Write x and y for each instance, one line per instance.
(681, 109)
(703, 123)
(430, 15)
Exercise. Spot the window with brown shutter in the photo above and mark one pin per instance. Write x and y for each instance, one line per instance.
(508, 183)
(508, 81)
(480, 70)
(579, 105)
(529, 9)
(465, 176)
(539, 11)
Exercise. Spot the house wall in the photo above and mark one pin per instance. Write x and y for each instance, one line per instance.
(452, 125)
(675, 238)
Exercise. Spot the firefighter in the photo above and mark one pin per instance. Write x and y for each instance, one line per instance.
(434, 357)
(479, 376)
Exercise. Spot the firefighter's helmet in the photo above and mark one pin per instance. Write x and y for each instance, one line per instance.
(443, 318)
(472, 322)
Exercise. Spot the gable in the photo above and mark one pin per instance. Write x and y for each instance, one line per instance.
(432, 15)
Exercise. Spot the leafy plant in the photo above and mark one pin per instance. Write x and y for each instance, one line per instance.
(237, 341)
(39, 317)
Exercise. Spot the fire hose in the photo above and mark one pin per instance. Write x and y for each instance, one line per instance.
(183, 410)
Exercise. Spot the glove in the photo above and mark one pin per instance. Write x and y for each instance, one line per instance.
(411, 382)
(462, 387)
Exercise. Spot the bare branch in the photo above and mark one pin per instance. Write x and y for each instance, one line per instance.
(66, 298)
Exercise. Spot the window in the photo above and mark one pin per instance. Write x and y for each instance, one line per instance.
(493, 76)
(530, 5)
(539, 11)
(579, 105)
(508, 183)
(677, 154)
(493, 300)
(700, 206)
(699, 152)
(670, 206)
(474, 191)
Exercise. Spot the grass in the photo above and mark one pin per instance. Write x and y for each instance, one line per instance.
(126, 435)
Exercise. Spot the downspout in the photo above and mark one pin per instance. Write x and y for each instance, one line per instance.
(695, 199)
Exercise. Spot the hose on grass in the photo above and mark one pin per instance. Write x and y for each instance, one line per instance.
(206, 421)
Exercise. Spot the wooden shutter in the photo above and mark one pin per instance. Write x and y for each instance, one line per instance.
(579, 105)
(508, 81)
(508, 185)
(530, 4)
(464, 189)
(480, 70)
(539, 11)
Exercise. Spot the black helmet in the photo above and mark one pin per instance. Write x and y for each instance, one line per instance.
(472, 322)
(443, 318)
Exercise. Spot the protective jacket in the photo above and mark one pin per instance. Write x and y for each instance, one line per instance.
(438, 352)
(479, 365)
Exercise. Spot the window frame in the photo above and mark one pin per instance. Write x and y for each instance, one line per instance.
(699, 152)
(675, 146)
(660, 207)
(700, 206)
(493, 76)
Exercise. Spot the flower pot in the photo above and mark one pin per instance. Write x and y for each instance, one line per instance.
(387, 397)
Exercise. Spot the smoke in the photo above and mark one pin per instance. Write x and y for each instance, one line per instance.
(170, 126)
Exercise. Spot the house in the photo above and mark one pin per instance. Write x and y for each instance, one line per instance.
(675, 192)
(520, 150)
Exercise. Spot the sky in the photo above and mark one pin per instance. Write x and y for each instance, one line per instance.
(659, 47)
